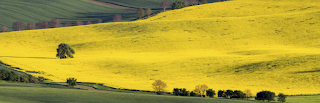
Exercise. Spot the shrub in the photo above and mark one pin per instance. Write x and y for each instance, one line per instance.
(221, 93)
(282, 97)
(180, 92)
(24, 79)
(72, 81)
(13, 77)
(210, 93)
(192, 93)
(238, 94)
(32, 79)
(178, 5)
(265, 95)
(228, 93)
(4, 74)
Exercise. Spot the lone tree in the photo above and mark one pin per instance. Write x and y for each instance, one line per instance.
(67, 23)
(159, 86)
(165, 4)
(5, 29)
(117, 18)
(18, 25)
(140, 13)
(77, 23)
(265, 95)
(248, 93)
(178, 5)
(72, 81)
(201, 89)
(31, 26)
(210, 93)
(148, 11)
(282, 98)
(65, 49)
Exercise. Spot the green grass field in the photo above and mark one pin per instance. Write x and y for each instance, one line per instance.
(66, 10)
(40, 93)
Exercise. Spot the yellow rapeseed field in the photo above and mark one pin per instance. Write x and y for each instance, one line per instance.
(239, 44)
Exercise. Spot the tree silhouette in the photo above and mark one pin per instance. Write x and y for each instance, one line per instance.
(67, 23)
(31, 26)
(77, 23)
(148, 11)
(201, 89)
(140, 13)
(65, 49)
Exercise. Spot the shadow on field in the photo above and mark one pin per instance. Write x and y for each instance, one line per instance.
(28, 57)
(311, 71)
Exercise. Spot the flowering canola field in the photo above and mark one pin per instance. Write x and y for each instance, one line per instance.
(241, 44)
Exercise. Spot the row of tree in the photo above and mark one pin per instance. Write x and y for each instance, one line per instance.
(203, 91)
(12, 76)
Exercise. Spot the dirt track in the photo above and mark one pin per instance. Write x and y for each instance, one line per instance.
(112, 5)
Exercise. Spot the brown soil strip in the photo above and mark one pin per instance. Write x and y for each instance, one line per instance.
(112, 5)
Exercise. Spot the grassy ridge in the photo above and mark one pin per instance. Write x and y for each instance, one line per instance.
(70, 10)
(225, 51)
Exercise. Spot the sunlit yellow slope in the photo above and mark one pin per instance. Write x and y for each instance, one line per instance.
(240, 44)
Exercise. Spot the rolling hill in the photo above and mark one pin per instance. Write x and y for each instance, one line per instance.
(241, 44)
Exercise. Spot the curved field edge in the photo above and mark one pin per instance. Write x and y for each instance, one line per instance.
(224, 53)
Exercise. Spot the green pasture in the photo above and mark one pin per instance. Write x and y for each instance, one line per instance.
(67, 10)
(43, 93)
(153, 4)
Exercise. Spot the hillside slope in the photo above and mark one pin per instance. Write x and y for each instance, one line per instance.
(257, 49)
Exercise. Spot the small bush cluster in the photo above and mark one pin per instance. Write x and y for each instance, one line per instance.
(72, 81)
(231, 94)
(12, 76)
(181, 92)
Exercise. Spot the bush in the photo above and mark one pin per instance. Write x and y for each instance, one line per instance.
(238, 94)
(228, 93)
(180, 92)
(221, 93)
(210, 93)
(72, 81)
(178, 5)
(282, 98)
(24, 79)
(192, 93)
(265, 95)
(4, 74)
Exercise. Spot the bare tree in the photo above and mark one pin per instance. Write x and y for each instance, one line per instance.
(88, 22)
(140, 13)
(248, 93)
(99, 21)
(193, 2)
(201, 89)
(165, 4)
(159, 86)
(148, 11)
(77, 23)
(67, 23)
(55, 23)
(31, 26)
(117, 18)
(186, 1)
(5, 29)
(39, 25)
(18, 25)
(45, 24)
